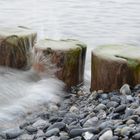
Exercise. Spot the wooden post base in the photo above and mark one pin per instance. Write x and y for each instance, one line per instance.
(66, 58)
(15, 47)
(113, 66)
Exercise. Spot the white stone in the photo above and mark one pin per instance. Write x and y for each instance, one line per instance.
(106, 136)
(125, 89)
(87, 135)
(39, 123)
(73, 109)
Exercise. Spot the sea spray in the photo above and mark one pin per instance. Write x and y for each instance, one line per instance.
(23, 92)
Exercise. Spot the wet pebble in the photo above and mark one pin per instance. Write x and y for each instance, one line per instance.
(100, 107)
(116, 99)
(130, 121)
(31, 130)
(136, 136)
(59, 125)
(64, 135)
(12, 133)
(78, 132)
(120, 108)
(137, 111)
(104, 96)
(40, 124)
(112, 104)
(74, 109)
(52, 132)
(91, 122)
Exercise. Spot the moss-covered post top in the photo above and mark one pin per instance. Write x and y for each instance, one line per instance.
(59, 44)
(116, 52)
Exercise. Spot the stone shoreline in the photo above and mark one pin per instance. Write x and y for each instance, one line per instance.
(85, 116)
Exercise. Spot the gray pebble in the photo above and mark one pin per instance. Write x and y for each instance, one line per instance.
(136, 136)
(64, 135)
(93, 96)
(26, 137)
(31, 130)
(70, 117)
(120, 108)
(106, 135)
(130, 98)
(112, 104)
(115, 98)
(40, 133)
(137, 111)
(91, 122)
(39, 124)
(130, 121)
(52, 132)
(125, 131)
(134, 105)
(125, 89)
(74, 109)
(23, 125)
(53, 138)
(105, 124)
(12, 133)
(115, 138)
(78, 132)
(59, 125)
(100, 107)
(77, 138)
(104, 96)
(54, 119)
(70, 127)
(128, 112)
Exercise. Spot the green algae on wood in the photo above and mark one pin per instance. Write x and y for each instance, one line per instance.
(67, 55)
(15, 47)
(114, 65)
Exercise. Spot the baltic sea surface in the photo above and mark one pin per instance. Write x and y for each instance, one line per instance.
(91, 21)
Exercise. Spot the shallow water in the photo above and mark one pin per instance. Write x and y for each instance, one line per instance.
(21, 93)
(91, 21)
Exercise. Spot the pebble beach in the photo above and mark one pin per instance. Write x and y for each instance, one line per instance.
(85, 116)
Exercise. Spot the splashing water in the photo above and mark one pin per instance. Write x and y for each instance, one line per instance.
(21, 93)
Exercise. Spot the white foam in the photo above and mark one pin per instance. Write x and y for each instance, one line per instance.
(22, 93)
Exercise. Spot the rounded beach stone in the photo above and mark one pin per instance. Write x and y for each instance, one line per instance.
(15, 47)
(63, 58)
(115, 65)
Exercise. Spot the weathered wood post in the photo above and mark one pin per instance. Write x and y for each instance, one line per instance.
(15, 47)
(67, 55)
(113, 66)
